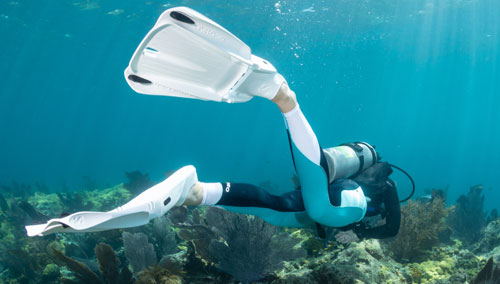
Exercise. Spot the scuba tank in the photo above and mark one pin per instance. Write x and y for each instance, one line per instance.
(350, 159)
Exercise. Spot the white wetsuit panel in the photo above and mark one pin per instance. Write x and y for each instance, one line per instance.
(302, 134)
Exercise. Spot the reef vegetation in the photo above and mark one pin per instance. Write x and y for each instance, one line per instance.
(421, 226)
(436, 244)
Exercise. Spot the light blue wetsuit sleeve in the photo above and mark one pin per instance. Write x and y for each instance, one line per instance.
(306, 147)
(277, 218)
(306, 153)
(314, 183)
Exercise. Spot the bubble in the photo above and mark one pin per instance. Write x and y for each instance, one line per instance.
(277, 7)
(115, 12)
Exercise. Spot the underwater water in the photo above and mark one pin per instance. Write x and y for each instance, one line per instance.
(420, 79)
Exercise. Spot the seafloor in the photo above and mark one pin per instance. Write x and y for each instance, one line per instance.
(436, 244)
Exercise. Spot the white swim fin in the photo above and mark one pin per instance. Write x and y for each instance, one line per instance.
(188, 55)
(153, 202)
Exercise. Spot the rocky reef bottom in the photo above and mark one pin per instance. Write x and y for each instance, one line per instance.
(211, 245)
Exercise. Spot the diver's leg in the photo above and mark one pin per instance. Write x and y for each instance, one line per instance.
(300, 131)
(248, 195)
(204, 193)
(285, 99)
(286, 210)
(243, 195)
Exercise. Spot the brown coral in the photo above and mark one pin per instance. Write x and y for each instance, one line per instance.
(81, 272)
(468, 219)
(108, 262)
(157, 275)
(421, 224)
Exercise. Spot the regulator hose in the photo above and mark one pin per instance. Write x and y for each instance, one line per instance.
(411, 179)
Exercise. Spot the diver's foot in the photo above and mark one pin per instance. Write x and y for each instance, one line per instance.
(285, 99)
(195, 195)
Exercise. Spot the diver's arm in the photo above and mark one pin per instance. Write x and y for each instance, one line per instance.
(300, 131)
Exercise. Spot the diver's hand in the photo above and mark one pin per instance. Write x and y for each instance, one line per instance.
(346, 237)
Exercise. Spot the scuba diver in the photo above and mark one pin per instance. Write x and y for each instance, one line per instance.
(188, 55)
(367, 193)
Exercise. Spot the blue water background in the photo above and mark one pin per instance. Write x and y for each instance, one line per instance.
(419, 79)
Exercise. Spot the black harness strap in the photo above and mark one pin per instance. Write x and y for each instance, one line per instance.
(375, 156)
(291, 149)
(324, 164)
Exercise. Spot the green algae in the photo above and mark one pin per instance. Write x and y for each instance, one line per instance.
(108, 198)
(48, 204)
(444, 262)
(51, 272)
(100, 200)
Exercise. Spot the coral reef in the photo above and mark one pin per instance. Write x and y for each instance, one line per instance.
(80, 271)
(108, 198)
(164, 237)
(211, 245)
(35, 215)
(493, 216)
(489, 243)
(137, 182)
(95, 200)
(490, 274)
(158, 275)
(74, 201)
(250, 248)
(140, 253)
(51, 272)
(421, 224)
(125, 276)
(108, 263)
(450, 264)
(21, 265)
(109, 267)
(245, 247)
(364, 262)
(4, 206)
(468, 217)
(12, 233)
(21, 260)
(49, 204)
(193, 229)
